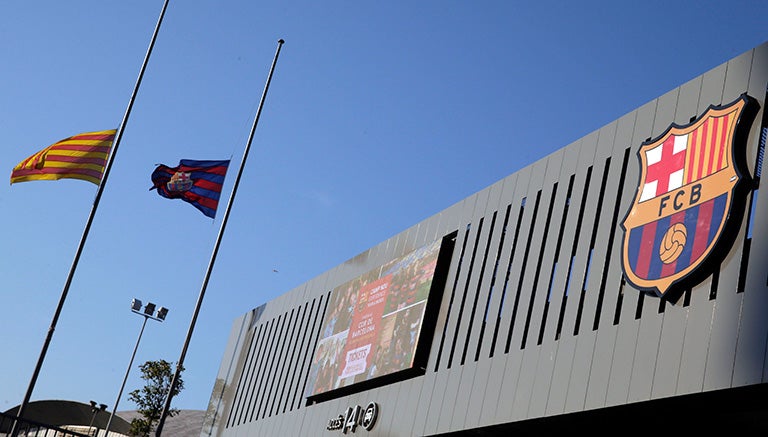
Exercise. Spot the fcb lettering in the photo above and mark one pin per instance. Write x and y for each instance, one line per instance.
(691, 193)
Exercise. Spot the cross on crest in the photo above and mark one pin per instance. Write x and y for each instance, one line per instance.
(691, 195)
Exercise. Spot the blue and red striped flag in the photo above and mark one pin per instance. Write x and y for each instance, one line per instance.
(196, 182)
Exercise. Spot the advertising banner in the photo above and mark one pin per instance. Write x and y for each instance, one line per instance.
(372, 323)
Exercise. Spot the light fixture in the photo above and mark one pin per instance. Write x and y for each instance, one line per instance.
(162, 312)
(95, 409)
(148, 313)
(149, 309)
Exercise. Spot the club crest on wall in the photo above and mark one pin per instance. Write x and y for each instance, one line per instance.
(690, 199)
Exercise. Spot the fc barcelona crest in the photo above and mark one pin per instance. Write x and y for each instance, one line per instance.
(180, 181)
(690, 199)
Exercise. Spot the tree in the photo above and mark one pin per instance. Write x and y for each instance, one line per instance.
(150, 399)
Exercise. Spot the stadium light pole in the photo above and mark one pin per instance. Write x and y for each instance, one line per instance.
(148, 313)
(95, 408)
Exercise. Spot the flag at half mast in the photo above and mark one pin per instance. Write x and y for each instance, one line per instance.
(198, 183)
(82, 156)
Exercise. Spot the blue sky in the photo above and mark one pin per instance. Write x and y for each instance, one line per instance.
(379, 115)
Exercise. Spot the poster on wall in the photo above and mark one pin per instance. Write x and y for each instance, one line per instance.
(372, 324)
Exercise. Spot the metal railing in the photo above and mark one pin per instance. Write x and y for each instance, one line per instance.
(29, 428)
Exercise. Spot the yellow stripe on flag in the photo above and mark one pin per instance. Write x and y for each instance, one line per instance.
(63, 160)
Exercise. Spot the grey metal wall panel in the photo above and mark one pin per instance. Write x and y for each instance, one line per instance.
(558, 339)
(259, 358)
(499, 392)
(444, 381)
(508, 383)
(553, 298)
(458, 417)
(543, 197)
(579, 376)
(480, 395)
(700, 311)
(454, 291)
(537, 281)
(524, 384)
(426, 399)
(516, 338)
(451, 297)
(469, 402)
(594, 167)
(594, 295)
(616, 136)
(667, 366)
(651, 321)
(314, 314)
(627, 332)
(226, 382)
(545, 261)
(469, 279)
(566, 352)
(264, 374)
(493, 218)
(298, 338)
(751, 347)
(511, 259)
(696, 340)
(450, 396)
(275, 360)
(485, 392)
(278, 359)
(625, 146)
(725, 323)
(287, 363)
(513, 315)
(496, 273)
(468, 406)
(250, 381)
(410, 397)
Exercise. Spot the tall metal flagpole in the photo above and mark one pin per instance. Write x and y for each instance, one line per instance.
(180, 363)
(99, 191)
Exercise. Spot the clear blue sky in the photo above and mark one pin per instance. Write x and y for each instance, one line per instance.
(380, 114)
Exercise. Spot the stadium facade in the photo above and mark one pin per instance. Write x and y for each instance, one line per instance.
(616, 284)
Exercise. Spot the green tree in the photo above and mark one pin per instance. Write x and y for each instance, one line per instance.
(150, 399)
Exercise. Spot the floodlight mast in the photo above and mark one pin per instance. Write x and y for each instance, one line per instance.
(148, 313)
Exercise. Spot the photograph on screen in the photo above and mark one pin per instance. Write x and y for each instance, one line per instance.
(372, 323)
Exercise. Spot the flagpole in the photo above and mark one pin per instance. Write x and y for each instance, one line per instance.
(180, 363)
(79, 251)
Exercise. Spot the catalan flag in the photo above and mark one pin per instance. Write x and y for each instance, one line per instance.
(196, 182)
(81, 156)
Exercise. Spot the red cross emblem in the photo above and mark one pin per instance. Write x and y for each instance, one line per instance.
(691, 192)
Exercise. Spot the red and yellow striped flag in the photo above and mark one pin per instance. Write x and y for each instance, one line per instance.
(82, 156)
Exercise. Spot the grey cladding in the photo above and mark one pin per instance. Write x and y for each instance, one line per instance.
(536, 318)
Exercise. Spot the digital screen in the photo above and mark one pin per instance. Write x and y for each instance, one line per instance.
(372, 323)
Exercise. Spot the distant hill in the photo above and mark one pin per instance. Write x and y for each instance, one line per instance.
(187, 423)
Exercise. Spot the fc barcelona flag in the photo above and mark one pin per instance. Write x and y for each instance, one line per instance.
(690, 193)
(196, 182)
